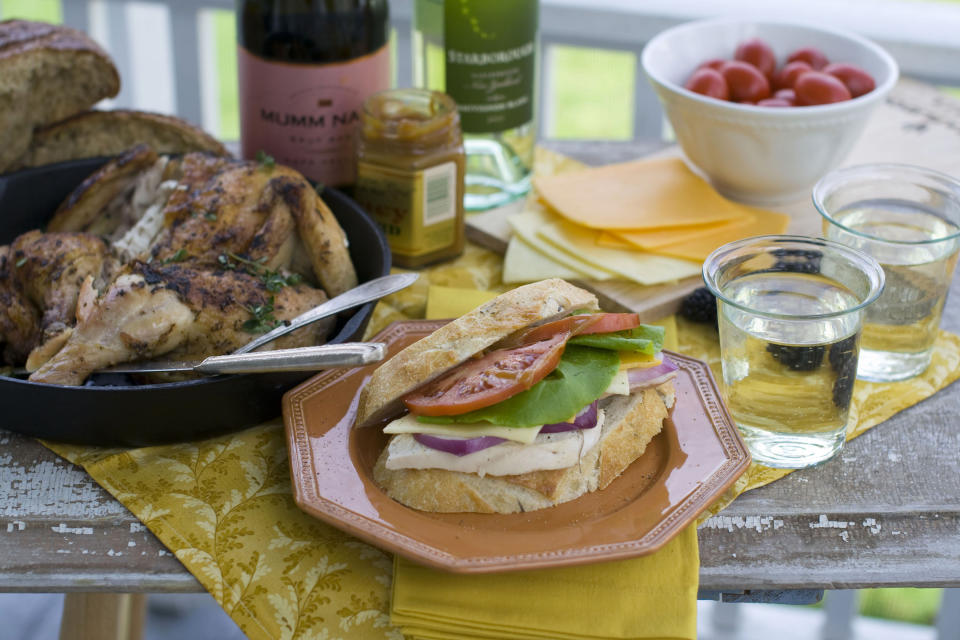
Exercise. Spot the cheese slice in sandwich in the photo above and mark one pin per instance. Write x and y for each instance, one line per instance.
(504, 471)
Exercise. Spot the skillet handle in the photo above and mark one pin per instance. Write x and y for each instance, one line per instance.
(347, 354)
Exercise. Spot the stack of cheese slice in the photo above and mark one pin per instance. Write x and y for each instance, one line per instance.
(648, 221)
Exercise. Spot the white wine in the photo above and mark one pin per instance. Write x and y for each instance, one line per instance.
(483, 54)
(918, 261)
(788, 384)
(305, 67)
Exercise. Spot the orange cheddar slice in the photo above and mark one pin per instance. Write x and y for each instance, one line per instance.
(645, 194)
(759, 223)
(636, 360)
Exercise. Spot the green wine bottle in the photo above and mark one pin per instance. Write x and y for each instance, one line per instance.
(483, 54)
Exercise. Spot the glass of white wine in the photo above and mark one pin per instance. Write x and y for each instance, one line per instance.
(790, 311)
(908, 218)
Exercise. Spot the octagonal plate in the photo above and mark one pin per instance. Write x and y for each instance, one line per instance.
(692, 461)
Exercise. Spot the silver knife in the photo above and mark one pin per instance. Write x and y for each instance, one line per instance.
(347, 354)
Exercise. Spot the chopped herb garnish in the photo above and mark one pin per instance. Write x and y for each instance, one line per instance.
(263, 319)
(210, 215)
(22, 261)
(272, 280)
(266, 161)
(179, 256)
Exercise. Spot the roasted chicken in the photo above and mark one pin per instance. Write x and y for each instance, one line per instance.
(182, 258)
(180, 313)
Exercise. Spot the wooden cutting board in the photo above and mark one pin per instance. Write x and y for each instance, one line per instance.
(917, 124)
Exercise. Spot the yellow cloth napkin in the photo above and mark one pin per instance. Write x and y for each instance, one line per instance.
(650, 597)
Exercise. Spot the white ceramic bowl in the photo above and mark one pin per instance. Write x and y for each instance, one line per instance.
(762, 155)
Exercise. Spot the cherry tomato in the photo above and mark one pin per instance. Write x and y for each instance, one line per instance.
(786, 94)
(610, 322)
(709, 82)
(775, 102)
(812, 56)
(856, 79)
(816, 87)
(758, 53)
(745, 81)
(488, 380)
(713, 63)
(789, 72)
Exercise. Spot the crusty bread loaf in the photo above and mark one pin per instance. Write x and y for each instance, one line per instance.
(47, 73)
(463, 338)
(631, 423)
(108, 133)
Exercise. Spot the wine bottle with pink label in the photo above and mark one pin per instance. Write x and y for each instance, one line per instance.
(305, 67)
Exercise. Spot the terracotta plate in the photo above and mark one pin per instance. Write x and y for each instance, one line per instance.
(695, 458)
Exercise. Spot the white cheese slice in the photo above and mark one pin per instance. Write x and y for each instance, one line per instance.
(523, 263)
(410, 424)
(525, 226)
(548, 451)
(619, 386)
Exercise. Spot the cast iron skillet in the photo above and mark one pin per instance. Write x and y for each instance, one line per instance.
(128, 415)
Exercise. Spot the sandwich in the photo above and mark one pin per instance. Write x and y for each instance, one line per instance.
(530, 400)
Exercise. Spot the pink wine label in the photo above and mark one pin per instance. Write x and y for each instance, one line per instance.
(307, 115)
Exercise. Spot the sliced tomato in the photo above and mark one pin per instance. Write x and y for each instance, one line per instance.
(610, 322)
(490, 379)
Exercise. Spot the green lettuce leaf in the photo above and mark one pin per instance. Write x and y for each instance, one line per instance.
(645, 338)
(582, 376)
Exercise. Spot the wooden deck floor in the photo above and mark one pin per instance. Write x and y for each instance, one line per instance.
(187, 616)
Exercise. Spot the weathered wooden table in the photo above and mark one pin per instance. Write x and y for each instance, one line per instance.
(886, 512)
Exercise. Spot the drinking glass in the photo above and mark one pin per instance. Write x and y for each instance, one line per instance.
(790, 310)
(908, 218)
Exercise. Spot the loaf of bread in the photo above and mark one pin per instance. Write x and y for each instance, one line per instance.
(630, 424)
(47, 73)
(109, 133)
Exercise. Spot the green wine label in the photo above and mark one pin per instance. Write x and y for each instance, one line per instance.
(490, 48)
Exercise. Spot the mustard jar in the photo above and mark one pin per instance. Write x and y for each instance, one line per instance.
(410, 173)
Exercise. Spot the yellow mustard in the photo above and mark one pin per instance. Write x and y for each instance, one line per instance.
(410, 173)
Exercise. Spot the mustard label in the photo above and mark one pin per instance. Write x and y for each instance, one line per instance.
(416, 209)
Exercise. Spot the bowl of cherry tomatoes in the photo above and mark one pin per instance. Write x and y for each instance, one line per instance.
(764, 109)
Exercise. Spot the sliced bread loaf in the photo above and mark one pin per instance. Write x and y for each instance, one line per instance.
(110, 133)
(47, 73)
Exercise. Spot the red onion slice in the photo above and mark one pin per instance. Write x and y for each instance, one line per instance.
(651, 376)
(457, 446)
(586, 419)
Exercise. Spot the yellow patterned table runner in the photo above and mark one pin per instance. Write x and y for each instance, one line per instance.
(224, 506)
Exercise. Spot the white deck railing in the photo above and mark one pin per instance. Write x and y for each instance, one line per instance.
(165, 54)
(164, 50)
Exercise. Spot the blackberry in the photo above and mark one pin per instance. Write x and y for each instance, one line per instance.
(700, 306)
(841, 352)
(843, 386)
(797, 260)
(797, 358)
(843, 360)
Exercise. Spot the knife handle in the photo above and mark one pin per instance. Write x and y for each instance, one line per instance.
(348, 354)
